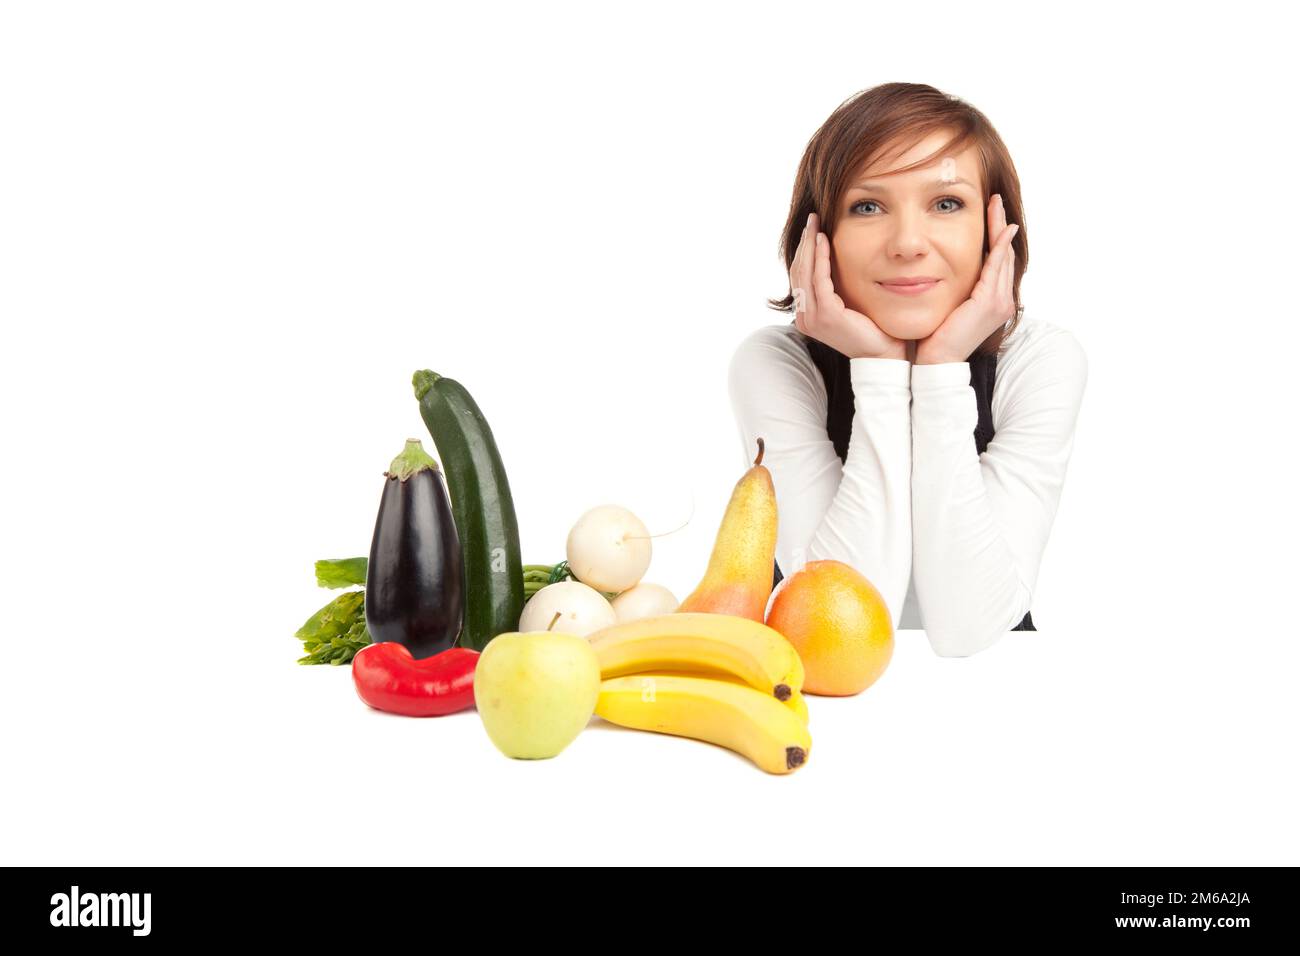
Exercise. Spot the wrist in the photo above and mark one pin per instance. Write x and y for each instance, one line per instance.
(893, 352)
(933, 355)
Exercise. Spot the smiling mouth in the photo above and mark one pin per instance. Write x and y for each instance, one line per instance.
(913, 288)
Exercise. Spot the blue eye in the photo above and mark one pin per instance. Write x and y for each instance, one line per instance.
(872, 202)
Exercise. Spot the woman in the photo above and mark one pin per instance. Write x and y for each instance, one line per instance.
(919, 434)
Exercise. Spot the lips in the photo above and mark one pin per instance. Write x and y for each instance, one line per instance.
(911, 280)
(915, 286)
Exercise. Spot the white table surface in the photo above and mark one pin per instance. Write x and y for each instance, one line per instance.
(1094, 749)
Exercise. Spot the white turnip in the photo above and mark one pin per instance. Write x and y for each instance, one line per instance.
(609, 549)
(644, 600)
(582, 610)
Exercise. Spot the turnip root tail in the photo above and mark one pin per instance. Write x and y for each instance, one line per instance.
(674, 531)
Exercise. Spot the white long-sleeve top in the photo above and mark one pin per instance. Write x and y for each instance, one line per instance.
(952, 539)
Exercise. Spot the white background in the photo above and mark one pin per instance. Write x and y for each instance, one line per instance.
(230, 232)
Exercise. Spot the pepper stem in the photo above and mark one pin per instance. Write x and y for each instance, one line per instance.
(413, 460)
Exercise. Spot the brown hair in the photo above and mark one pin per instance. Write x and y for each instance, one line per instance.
(863, 125)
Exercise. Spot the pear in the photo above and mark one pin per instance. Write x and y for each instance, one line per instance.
(739, 577)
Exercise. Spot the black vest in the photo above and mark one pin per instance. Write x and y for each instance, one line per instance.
(834, 367)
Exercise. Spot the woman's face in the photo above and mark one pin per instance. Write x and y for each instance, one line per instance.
(925, 222)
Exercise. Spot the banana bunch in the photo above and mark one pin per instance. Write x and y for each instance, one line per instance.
(724, 679)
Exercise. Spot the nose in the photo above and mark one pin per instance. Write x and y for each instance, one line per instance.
(908, 236)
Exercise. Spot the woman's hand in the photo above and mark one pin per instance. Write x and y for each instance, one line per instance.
(821, 314)
(991, 305)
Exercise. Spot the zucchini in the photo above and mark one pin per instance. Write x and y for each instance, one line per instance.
(481, 506)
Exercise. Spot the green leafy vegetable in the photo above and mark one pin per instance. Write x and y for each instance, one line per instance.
(335, 633)
(341, 572)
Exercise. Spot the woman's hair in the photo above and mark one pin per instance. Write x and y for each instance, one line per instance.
(861, 127)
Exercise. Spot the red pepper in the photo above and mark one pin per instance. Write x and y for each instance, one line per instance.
(389, 678)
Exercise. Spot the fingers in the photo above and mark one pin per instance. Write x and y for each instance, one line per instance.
(809, 261)
(997, 224)
(1006, 274)
(1006, 253)
(796, 280)
(1003, 253)
(1009, 282)
(823, 286)
(1001, 256)
(998, 220)
(801, 270)
(1000, 248)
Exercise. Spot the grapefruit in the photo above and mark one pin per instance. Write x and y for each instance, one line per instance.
(839, 624)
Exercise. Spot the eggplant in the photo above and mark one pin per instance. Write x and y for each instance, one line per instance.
(415, 578)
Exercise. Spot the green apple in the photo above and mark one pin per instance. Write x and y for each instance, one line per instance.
(535, 691)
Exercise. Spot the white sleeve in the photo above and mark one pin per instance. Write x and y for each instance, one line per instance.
(859, 511)
(980, 523)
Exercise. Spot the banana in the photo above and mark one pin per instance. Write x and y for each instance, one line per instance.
(723, 712)
(798, 705)
(796, 701)
(700, 641)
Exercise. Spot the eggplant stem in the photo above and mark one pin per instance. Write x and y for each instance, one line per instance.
(413, 460)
